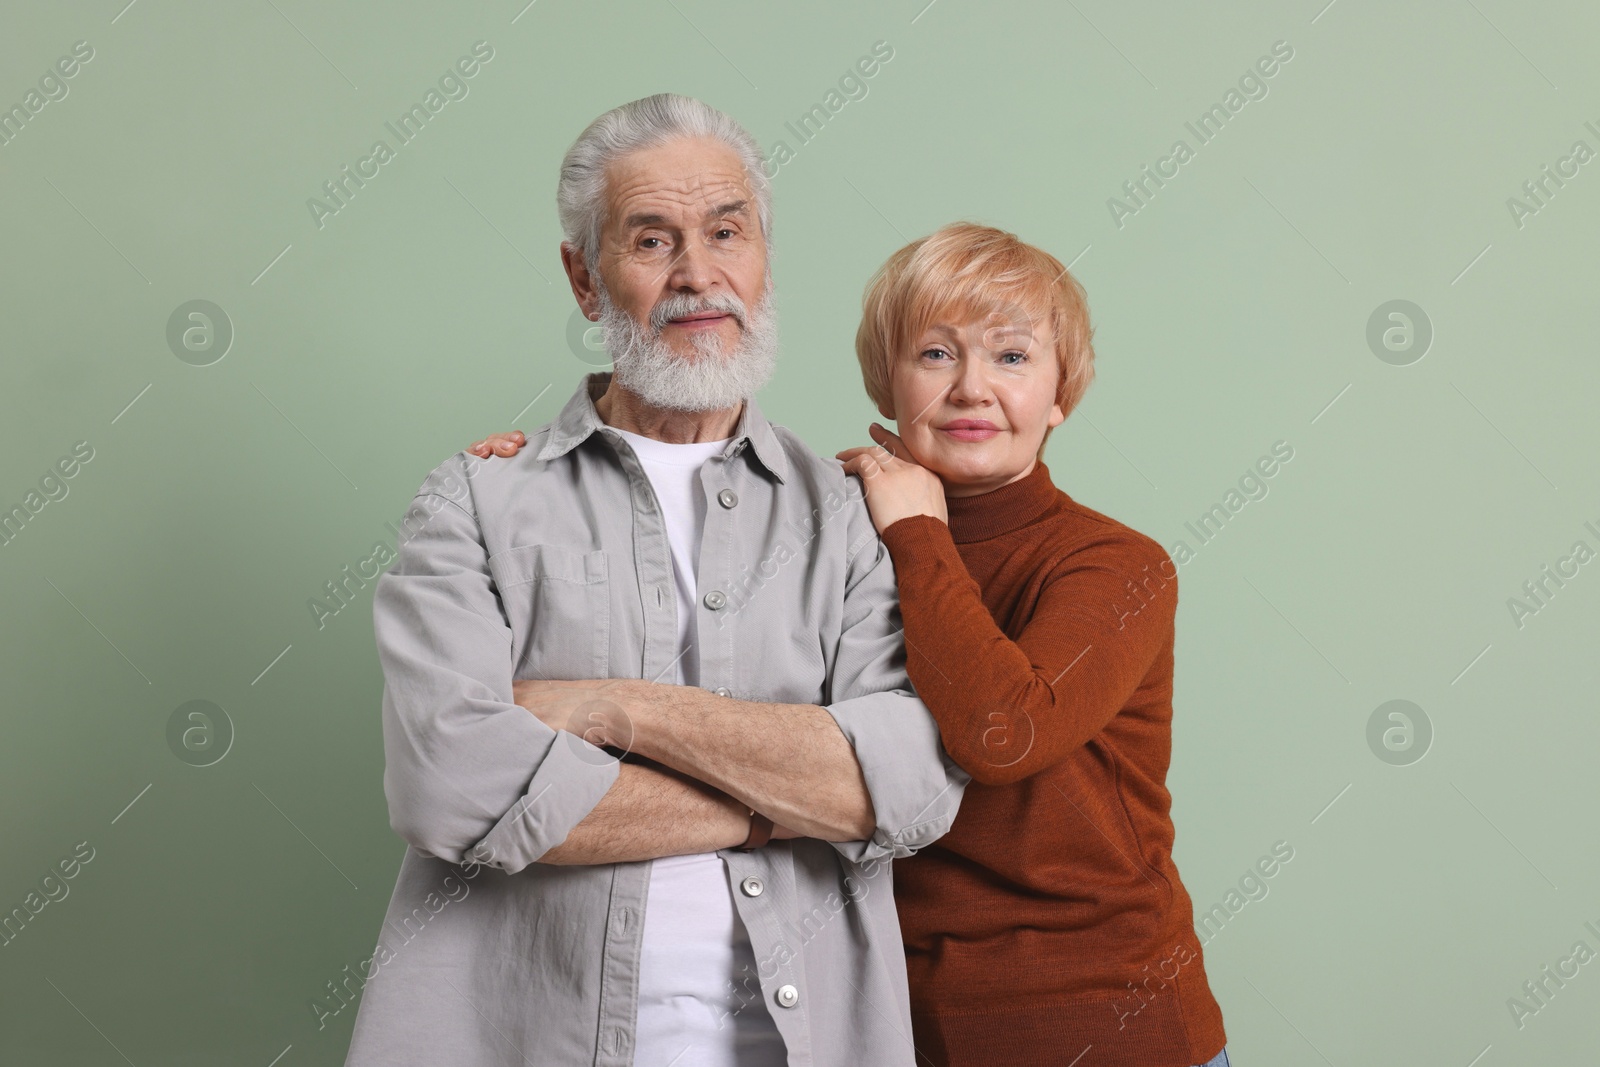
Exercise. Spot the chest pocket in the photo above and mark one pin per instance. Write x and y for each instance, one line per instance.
(559, 607)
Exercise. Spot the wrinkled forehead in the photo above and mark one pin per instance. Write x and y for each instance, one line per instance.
(680, 182)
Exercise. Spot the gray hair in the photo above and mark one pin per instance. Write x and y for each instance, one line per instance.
(645, 123)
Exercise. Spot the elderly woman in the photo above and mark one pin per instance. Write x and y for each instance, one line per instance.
(1050, 922)
(1049, 926)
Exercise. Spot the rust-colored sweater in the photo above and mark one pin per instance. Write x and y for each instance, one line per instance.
(1049, 926)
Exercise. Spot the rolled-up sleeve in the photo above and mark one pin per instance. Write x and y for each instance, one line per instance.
(915, 787)
(470, 776)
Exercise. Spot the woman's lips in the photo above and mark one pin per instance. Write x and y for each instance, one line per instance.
(969, 433)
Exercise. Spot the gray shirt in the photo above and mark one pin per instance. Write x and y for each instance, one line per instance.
(555, 564)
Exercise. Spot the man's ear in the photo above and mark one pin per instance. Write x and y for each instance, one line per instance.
(582, 281)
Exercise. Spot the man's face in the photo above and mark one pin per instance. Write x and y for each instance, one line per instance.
(681, 219)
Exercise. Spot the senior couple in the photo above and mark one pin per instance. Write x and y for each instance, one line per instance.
(753, 757)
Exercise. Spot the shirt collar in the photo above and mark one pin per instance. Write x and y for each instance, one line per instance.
(579, 419)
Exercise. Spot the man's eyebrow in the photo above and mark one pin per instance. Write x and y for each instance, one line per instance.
(644, 219)
(732, 207)
(651, 218)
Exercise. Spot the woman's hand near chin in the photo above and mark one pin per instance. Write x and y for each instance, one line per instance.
(499, 444)
(896, 485)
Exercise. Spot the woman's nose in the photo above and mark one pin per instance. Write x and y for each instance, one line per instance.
(971, 385)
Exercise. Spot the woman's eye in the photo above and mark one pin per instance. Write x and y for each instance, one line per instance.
(934, 353)
(1021, 358)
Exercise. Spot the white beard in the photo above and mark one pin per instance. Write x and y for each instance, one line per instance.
(710, 380)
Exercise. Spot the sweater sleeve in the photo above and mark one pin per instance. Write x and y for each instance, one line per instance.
(1008, 709)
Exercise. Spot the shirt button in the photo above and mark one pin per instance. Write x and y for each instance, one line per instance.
(788, 996)
(727, 498)
(715, 600)
(752, 887)
(723, 691)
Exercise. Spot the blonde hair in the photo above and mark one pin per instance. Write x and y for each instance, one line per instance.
(966, 270)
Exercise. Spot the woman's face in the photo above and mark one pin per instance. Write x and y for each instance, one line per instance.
(974, 398)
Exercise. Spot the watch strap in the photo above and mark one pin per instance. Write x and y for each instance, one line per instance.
(760, 832)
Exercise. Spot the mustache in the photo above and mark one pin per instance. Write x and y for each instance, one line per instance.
(680, 304)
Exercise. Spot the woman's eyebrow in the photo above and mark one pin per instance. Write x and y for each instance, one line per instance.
(1016, 333)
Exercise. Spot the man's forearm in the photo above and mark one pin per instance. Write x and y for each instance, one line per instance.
(788, 761)
(650, 812)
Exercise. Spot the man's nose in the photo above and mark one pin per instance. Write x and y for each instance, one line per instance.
(691, 269)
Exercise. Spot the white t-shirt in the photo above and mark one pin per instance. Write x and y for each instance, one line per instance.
(698, 1005)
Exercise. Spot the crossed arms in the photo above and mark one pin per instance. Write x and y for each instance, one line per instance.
(716, 759)
(472, 776)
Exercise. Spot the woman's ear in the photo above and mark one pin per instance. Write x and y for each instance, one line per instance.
(1057, 416)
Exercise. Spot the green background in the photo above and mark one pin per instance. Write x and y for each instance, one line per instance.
(1231, 313)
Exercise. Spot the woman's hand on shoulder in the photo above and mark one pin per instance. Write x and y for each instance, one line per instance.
(896, 485)
(499, 444)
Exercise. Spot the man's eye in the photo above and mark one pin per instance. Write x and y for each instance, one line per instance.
(725, 230)
(650, 242)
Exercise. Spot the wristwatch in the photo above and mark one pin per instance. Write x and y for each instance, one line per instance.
(760, 832)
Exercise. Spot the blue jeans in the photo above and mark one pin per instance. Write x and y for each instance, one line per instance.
(1219, 1060)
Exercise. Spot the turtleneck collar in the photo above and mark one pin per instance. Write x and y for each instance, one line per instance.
(1000, 511)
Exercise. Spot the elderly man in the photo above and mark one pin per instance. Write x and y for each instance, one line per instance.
(700, 618)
